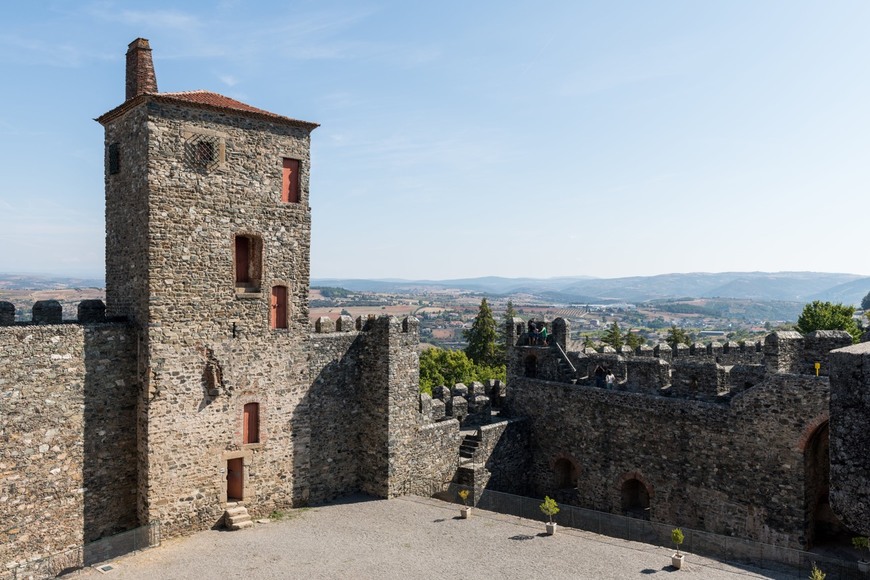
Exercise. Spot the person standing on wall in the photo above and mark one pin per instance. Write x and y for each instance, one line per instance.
(599, 376)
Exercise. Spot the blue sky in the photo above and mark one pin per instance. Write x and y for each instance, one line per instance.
(463, 139)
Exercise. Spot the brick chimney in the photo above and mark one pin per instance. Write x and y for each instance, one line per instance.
(140, 69)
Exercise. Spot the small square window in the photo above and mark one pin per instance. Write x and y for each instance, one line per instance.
(203, 152)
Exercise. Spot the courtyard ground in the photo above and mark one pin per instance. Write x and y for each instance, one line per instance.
(409, 538)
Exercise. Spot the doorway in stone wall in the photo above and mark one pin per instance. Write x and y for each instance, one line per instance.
(823, 526)
(635, 499)
(235, 479)
(530, 365)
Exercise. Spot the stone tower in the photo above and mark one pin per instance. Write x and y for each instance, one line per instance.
(207, 255)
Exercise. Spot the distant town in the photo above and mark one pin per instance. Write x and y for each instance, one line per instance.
(446, 309)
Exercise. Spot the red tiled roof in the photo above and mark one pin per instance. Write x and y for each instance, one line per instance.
(207, 100)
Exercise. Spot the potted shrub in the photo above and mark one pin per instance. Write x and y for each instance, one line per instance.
(816, 574)
(550, 508)
(465, 510)
(862, 543)
(677, 538)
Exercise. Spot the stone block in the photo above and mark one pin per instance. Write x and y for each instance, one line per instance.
(7, 313)
(47, 312)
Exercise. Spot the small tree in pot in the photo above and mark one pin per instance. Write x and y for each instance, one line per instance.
(550, 508)
(677, 538)
(465, 510)
(862, 543)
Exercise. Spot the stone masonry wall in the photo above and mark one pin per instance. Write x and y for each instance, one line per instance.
(370, 432)
(334, 402)
(850, 436)
(502, 459)
(726, 468)
(67, 437)
(127, 218)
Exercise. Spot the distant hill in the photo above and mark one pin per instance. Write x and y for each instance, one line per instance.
(763, 286)
(46, 282)
(780, 286)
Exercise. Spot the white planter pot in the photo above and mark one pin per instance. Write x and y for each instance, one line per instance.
(464, 512)
(864, 566)
(677, 561)
(551, 528)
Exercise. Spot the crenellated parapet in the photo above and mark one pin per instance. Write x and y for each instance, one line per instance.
(344, 323)
(707, 372)
(471, 405)
(51, 312)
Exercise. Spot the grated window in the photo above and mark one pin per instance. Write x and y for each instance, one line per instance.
(201, 151)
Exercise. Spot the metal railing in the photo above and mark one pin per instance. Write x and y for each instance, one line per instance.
(726, 548)
(87, 555)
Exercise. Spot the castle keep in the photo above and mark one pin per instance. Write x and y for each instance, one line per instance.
(200, 394)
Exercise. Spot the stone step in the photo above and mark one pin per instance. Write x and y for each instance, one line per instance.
(237, 518)
(241, 525)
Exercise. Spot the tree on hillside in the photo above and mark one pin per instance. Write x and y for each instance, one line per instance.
(818, 315)
(677, 336)
(613, 336)
(633, 339)
(865, 302)
(481, 338)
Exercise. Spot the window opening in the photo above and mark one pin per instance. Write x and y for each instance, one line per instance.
(290, 181)
(251, 423)
(247, 257)
(202, 151)
(114, 158)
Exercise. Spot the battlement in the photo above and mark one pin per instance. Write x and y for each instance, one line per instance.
(344, 323)
(471, 405)
(712, 372)
(51, 312)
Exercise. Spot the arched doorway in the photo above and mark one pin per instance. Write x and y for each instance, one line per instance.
(635, 499)
(823, 526)
(565, 474)
(531, 366)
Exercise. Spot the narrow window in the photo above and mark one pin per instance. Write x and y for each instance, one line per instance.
(114, 158)
(278, 317)
(243, 260)
(290, 181)
(251, 427)
(247, 258)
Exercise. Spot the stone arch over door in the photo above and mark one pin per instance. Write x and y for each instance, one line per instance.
(821, 524)
(566, 471)
(635, 495)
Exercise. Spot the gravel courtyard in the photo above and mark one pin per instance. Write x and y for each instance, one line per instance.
(409, 537)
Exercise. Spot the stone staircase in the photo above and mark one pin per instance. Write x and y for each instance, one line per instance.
(236, 517)
(469, 445)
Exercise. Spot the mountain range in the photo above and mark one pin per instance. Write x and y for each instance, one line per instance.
(787, 286)
(781, 286)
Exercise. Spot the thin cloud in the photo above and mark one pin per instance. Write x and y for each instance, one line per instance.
(30, 51)
(164, 19)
